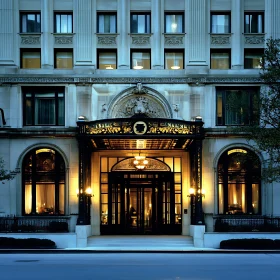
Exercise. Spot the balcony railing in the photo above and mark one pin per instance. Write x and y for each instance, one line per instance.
(34, 224)
(246, 223)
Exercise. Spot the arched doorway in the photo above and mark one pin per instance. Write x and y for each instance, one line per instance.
(142, 202)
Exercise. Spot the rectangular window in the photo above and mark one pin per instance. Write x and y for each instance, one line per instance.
(107, 59)
(30, 22)
(140, 59)
(140, 23)
(174, 59)
(174, 23)
(43, 106)
(30, 58)
(106, 23)
(220, 59)
(220, 22)
(254, 22)
(63, 23)
(252, 58)
(237, 106)
(63, 58)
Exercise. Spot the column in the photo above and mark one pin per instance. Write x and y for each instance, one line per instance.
(197, 32)
(84, 31)
(124, 39)
(156, 39)
(46, 46)
(272, 19)
(83, 218)
(7, 27)
(237, 17)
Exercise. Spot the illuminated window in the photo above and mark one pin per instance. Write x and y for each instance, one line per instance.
(43, 183)
(140, 59)
(63, 58)
(220, 58)
(174, 59)
(252, 58)
(107, 59)
(30, 58)
(239, 186)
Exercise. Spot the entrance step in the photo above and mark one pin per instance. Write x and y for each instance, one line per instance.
(140, 243)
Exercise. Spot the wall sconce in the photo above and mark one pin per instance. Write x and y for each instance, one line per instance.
(192, 192)
(88, 192)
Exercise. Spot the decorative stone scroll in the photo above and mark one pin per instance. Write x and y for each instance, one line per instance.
(107, 40)
(61, 40)
(140, 40)
(220, 40)
(174, 40)
(254, 40)
(30, 40)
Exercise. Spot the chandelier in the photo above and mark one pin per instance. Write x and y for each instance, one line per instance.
(140, 162)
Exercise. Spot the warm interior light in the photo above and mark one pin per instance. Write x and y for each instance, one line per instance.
(140, 162)
(136, 66)
(191, 191)
(174, 67)
(108, 67)
(89, 191)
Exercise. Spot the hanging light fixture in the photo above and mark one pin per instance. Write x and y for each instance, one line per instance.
(140, 162)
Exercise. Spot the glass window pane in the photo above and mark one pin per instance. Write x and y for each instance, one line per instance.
(104, 188)
(255, 198)
(104, 166)
(177, 178)
(31, 59)
(107, 60)
(174, 23)
(141, 60)
(45, 198)
(28, 198)
(220, 23)
(252, 58)
(64, 59)
(61, 199)
(104, 177)
(174, 60)
(177, 162)
(45, 111)
(220, 60)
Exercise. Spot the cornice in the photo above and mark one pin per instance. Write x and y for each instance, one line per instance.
(198, 80)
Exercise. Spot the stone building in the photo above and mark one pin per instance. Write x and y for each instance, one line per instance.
(117, 115)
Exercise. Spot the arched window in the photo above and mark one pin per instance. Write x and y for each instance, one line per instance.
(43, 183)
(239, 188)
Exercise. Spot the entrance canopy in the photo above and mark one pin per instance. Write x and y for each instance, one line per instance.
(141, 133)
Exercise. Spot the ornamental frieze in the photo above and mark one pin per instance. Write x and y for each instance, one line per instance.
(61, 40)
(220, 40)
(140, 40)
(106, 40)
(254, 40)
(174, 40)
(139, 128)
(130, 80)
(30, 40)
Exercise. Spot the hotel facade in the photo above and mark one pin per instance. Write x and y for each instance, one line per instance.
(117, 116)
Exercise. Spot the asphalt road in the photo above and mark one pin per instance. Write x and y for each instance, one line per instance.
(124, 266)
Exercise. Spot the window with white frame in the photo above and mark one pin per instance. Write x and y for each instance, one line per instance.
(174, 23)
(254, 22)
(30, 22)
(220, 22)
(63, 23)
(106, 22)
(140, 23)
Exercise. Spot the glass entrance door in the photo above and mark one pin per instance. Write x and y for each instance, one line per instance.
(141, 210)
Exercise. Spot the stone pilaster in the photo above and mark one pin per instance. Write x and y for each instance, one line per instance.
(237, 15)
(83, 28)
(197, 32)
(47, 22)
(156, 42)
(272, 19)
(123, 42)
(7, 29)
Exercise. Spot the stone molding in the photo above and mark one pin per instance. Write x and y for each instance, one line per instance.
(220, 40)
(30, 40)
(173, 39)
(61, 40)
(254, 39)
(140, 39)
(107, 39)
(130, 80)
